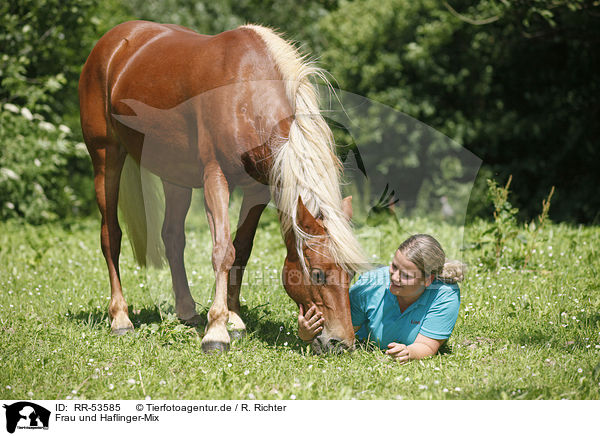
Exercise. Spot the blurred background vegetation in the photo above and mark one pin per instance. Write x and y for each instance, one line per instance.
(515, 82)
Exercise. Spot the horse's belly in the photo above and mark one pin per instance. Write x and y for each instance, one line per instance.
(188, 173)
(169, 151)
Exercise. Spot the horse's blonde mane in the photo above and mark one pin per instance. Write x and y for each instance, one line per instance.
(306, 164)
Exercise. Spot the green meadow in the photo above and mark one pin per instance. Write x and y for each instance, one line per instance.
(526, 329)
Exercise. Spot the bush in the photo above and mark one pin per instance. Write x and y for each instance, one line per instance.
(44, 175)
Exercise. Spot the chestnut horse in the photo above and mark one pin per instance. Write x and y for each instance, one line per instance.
(216, 112)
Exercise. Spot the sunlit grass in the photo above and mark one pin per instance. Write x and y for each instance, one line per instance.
(520, 334)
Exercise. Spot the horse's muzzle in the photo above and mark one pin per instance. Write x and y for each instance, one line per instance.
(322, 345)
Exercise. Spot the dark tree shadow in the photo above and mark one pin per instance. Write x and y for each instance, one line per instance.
(260, 325)
(98, 318)
(445, 349)
(532, 336)
(95, 318)
(592, 320)
(259, 322)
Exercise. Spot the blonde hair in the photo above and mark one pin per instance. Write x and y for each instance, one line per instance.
(427, 255)
(305, 165)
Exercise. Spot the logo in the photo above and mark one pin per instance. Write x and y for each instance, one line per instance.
(26, 415)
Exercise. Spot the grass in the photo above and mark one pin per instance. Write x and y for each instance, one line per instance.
(521, 334)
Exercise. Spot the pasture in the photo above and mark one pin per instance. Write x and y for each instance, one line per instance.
(521, 334)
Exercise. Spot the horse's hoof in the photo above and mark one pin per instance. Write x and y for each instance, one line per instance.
(212, 347)
(237, 334)
(122, 331)
(194, 321)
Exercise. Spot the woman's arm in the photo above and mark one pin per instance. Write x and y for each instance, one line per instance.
(439, 322)
(421, 348)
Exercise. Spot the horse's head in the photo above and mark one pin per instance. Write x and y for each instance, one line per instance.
(320, 281)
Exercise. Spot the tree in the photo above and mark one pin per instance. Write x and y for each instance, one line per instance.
(514, 82)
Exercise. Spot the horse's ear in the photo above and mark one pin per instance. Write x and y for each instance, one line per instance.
(347, 207)
(306, 221)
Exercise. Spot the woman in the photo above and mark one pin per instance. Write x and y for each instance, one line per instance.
(409, 308)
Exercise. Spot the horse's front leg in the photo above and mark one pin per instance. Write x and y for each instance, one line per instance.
(177, 204)
(216, 201)
(255, 200)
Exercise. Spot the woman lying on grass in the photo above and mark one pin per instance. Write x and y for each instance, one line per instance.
(409, 308)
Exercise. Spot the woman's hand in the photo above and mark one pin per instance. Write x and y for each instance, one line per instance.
(309, 324)
(398, 351)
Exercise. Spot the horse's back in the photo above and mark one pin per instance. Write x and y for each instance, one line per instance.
(108, 56)
(136, 53)
(210, 97)
(120, 47)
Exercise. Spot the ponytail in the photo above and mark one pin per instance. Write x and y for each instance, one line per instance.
(453, 272)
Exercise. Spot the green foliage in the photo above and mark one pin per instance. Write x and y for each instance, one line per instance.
(467, 70)
(297, 20)
(534, 230)
(39, 39)
(44, 174)
(497, 237)
(44, 44)
(201, 16)
(505, 242)
(510, 81)
(504, 226)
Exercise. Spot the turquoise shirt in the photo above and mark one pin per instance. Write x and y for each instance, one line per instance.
(375, 309)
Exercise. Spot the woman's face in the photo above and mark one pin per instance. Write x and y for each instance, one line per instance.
(406, 280)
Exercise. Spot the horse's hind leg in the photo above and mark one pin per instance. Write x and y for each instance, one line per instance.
(252, 208)
(216, 200)
(177, 204)
(108, 159)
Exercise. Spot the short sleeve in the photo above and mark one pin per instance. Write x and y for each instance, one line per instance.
(358, 303)
(442, 314)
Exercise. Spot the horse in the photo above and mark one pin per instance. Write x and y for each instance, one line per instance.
(236, 109)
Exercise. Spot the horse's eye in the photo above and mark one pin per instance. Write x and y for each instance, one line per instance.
(317, 276)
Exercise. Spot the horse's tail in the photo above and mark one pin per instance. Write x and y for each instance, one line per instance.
(142, 210)
(306, 165)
